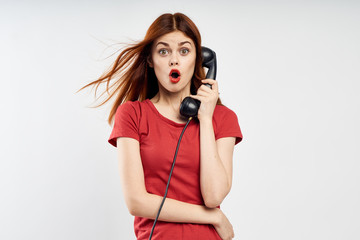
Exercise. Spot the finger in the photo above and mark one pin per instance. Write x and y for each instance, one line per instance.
(214, 84)
(205, 89)
(210, 95)
(206, 92)
(202, 94)
(200, 98)
(208, 80)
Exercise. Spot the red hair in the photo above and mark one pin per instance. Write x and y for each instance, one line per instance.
(134, 78)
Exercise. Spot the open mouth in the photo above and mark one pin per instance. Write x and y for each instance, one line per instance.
(174, 75)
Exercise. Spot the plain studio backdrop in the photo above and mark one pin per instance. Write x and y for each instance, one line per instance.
(289, 69)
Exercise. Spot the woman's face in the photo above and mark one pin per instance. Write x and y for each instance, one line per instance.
(173, 57)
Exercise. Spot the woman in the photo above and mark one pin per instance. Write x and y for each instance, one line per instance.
(148, 125)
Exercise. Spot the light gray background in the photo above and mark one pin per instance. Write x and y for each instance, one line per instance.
(289, 69)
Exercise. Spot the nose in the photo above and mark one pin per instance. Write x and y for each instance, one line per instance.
(174, 60)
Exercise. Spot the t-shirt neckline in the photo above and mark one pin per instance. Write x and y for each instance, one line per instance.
(152, 106)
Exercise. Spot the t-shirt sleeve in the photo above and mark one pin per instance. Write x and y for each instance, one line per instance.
(227, 125)
(126, 122)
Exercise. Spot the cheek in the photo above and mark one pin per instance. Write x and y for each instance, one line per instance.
(191, 66)
(160, 71)
(159, 64)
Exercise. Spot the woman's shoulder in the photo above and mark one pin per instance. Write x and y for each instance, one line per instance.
(226, 123)
(132, 105)
(127, 109)
(222, 111)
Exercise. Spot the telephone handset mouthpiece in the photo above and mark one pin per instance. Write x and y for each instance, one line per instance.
(189, 106)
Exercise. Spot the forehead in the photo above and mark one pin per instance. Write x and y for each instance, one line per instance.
(174, 38)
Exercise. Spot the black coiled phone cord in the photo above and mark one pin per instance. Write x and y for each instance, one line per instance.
(168, 183)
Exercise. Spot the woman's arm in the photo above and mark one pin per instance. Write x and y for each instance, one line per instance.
(143, 204)
(215, 165)
(215, 156)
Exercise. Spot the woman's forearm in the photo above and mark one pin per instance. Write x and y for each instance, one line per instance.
(143, 204)
(214, 180)
(147, 205)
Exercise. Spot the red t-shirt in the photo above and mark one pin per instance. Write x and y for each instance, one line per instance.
(158, 137)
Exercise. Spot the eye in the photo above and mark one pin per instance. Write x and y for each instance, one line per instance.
(163, 51)
(184, 51)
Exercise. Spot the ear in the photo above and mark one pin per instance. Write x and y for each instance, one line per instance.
(149, 61)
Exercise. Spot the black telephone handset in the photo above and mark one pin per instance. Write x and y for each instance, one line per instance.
(189, 106)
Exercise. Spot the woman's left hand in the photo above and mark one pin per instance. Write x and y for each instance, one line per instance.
(208, 98)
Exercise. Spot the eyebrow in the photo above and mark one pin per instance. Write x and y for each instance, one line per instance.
(180, 44)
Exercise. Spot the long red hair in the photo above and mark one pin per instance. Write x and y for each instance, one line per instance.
(134, 79)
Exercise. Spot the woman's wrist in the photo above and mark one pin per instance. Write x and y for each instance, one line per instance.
(205, 120)
(216, 217)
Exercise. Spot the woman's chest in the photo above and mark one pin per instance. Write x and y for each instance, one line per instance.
(159, 143)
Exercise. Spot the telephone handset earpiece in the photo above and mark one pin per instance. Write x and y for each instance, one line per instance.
(189, 106)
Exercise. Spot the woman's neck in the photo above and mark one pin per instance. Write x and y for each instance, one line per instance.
(169, 103)
(174, 99)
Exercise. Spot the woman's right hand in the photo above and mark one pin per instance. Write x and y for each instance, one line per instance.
(224, 227)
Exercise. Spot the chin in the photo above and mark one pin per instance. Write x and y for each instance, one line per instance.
(175, 87)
